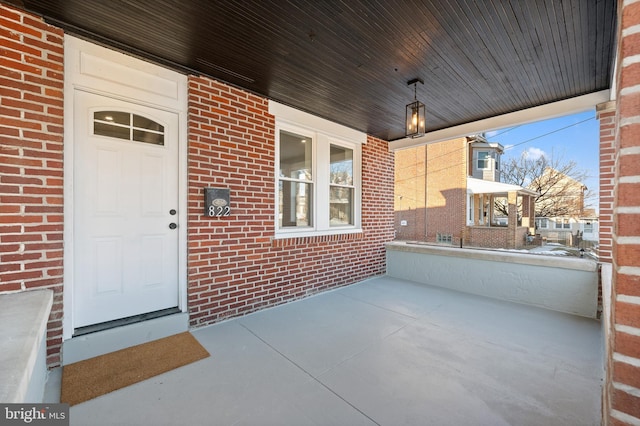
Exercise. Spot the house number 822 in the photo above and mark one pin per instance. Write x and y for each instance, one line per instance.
(219, 211)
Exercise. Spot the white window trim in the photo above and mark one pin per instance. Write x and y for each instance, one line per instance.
(324, 133)
(487, 160)
(562, 223)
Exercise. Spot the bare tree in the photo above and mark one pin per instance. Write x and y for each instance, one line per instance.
(559, 184)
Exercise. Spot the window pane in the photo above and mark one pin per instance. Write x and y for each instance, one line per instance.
(115, 117)
(341, 166)
(112, 131)
(148, 137)
(117, 124)
(341, 206)
(295, 156)
(145, 123)
(483, 159)
(295, 204)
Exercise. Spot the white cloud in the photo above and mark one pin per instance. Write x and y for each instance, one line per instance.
(534, 153)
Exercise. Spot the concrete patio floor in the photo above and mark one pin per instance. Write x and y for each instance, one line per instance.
(381, 352)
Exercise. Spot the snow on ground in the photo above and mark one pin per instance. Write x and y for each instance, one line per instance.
(548, 249)
(553, 252)
(538, 251)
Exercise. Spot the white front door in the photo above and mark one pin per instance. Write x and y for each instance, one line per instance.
(125, 209)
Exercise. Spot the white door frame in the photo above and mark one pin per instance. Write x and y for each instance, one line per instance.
(93, 68)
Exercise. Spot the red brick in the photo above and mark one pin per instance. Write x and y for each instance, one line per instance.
(15, 26)
(629, 135)
(630, 75)
(47, 29)
(628, 195)
(628, 285)
(630, 17)
(626, 374)
(628, 225)
(626, 403)
(627, 344)
(630, 165)
(627, 254)
(10, 287)
(627, 314)
(630, 44)
(629, 105)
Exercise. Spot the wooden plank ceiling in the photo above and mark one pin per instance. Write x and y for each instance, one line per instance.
(349, 60)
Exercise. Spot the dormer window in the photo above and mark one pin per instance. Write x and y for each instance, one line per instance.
(484, 160)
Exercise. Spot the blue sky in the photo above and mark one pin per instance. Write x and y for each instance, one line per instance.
(571, 138)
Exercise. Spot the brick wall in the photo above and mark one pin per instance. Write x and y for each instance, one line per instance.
(606, 114)
(410, 193)
(31, 133)
(234, 264)
(623, 382)
(430, 188)
(496, 236)
(447, 189)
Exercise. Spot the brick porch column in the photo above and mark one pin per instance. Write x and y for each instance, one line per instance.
(606, 114)
(512, 224)
(622, 403)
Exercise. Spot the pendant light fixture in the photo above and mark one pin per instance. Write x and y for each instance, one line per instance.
(415, 124)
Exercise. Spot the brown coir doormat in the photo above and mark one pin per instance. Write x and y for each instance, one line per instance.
(97, 376)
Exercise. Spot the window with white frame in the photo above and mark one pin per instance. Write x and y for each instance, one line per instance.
(341, 186)
(562, 224)
(485, 209)
(295, 185)
(470, 209)
(588, 227)
(319, 177)
(484, 160)
(542, 223)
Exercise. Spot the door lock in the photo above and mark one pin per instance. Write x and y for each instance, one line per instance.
(172, 212)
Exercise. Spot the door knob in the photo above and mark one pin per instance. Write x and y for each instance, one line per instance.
(172, 226)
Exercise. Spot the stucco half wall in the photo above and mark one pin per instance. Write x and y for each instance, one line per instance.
(560, 284)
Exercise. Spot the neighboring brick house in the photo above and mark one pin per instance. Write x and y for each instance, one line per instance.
(446, 191)
(103, 168)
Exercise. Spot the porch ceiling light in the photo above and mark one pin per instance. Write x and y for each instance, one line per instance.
(415, 123)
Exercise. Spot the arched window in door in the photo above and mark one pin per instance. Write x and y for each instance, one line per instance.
(127, 126)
